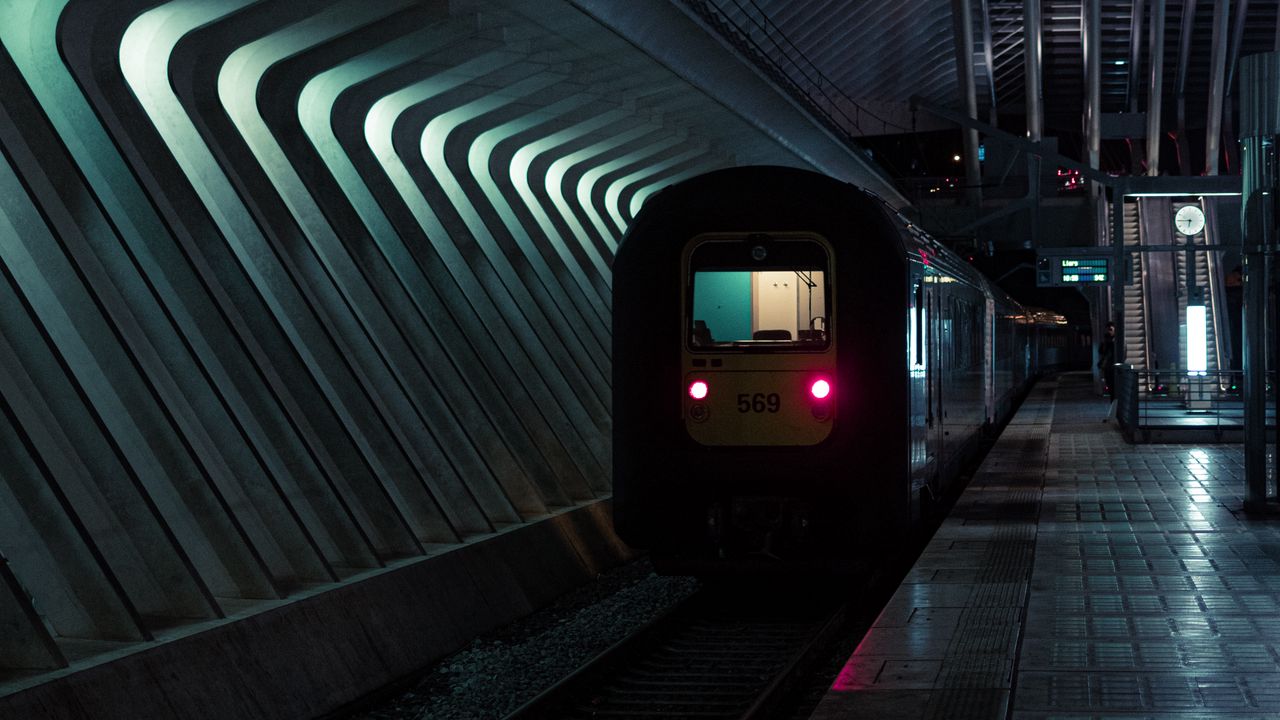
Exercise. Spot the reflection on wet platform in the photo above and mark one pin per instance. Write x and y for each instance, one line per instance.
(1081, 577)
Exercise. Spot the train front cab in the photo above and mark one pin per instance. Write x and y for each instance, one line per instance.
(760, 408)
(760, 354)
(759, 345)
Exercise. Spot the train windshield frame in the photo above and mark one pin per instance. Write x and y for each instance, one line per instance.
(758, 293)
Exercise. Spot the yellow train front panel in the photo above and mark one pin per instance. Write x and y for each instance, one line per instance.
(759, 408)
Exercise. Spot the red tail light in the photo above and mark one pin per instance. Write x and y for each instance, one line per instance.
(698, 389)
(820, 389)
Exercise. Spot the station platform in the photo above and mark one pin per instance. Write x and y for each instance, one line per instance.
(1079, 576)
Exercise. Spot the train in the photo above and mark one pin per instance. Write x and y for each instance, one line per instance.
(799, 372)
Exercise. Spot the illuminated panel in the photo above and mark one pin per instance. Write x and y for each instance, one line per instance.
(1197, 340)
(1083, 270)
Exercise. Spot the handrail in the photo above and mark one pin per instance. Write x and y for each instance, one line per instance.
(1216, 298)
(1217, 409)
(1143, 295)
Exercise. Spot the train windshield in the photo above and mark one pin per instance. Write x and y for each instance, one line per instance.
(759, 295)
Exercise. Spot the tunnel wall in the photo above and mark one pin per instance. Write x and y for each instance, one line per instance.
(293, 294)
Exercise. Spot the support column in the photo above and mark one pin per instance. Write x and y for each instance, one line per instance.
(1091, 28)
(1032, 38)
(1155, 96)
(1217, 71)
(1180, 87)
(1259, 127)
(1031, 54)
(962, 14)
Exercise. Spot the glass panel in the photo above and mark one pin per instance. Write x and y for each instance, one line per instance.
(758, 293)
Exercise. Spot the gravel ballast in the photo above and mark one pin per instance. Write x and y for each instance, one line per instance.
(499, 672)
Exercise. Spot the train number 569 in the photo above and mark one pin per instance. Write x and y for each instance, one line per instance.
(758, 402)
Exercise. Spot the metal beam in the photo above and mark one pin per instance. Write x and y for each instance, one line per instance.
(988, 59)
(1229, 144)
(1091, 39)
(1032, 54)
(1180, 85)
(1217, 69)
(1135, 55)
(962, 15)
(994, 133)
(1155, 95)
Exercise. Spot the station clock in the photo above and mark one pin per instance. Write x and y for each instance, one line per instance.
(1189, 220)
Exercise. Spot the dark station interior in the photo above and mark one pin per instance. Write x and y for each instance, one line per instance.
(400, 359)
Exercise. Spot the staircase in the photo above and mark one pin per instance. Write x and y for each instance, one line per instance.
(1135, 306)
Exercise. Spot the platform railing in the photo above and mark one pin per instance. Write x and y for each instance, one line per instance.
(1211, 402)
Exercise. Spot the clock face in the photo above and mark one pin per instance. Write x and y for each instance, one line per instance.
(1189, 220)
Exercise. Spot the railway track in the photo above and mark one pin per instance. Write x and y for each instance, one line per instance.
(723, 653)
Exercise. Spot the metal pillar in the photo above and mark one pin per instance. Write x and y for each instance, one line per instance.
(962, 14)
(1259, 127)
(1032, 37)
(1091, 29)
(988, 59)
(1156, 87)
(1180, 86)
(1217, 69)
(1031, 55)
(1233, 61)
(1135, 56)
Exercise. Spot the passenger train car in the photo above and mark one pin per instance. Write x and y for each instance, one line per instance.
(798, 372)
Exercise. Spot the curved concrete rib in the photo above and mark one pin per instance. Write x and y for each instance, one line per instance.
(524, 137)
(144, 59)
(580, 366)
(493, 150)
(502, 499)
(379, 126)
(521, 166)
(532, 404)
(276, 413)
(156, 573)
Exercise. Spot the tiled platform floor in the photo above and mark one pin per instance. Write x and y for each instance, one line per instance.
(1081, 577)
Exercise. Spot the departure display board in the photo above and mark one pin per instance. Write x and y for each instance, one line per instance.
(1082, 270)
(1072, 270)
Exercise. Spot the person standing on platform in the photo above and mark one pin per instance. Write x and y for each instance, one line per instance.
(1107, 359)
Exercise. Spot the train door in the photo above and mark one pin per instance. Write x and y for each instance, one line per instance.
(917, 347)
(934, 371)
(989, 357)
